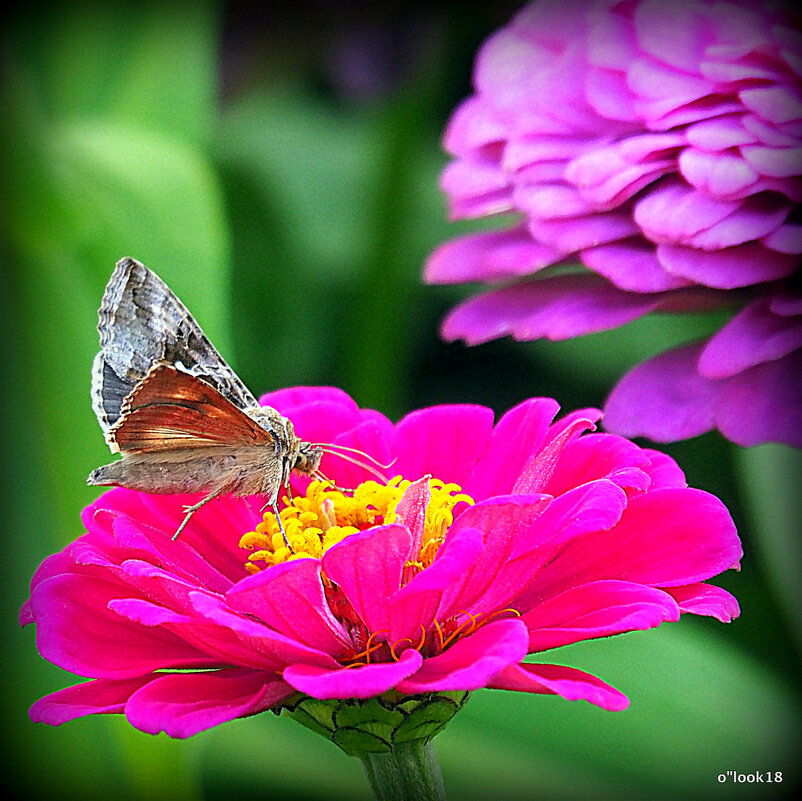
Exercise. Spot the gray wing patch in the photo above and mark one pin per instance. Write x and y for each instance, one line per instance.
(108, 393)
(141, 322)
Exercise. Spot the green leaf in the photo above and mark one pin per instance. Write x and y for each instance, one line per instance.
(151, 64)
(308, 161)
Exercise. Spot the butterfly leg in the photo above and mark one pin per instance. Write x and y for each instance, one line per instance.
(281, 527)
(190, 510)
(274, 506)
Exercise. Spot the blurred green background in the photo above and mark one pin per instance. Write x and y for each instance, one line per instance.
(278, 168)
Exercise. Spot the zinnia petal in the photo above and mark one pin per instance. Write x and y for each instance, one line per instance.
(667, 399)
(357, 682)
(420, 602)
(664, 397)
(598, 456)
(570, 683)
(259, 642)
(588, 508)
(368, 566)
(555, 308)
(772, 392)
(96, 697)
(289, 598)
(704, 545)
(657, 145)
(728, 268)
(184, 704)
(487, 256)
(508, 518)
(473, 661)
(518, 435)
(442, 440)
(597, 609)
(632, 265)
(753, 336)
(705, 599)
(76, 630)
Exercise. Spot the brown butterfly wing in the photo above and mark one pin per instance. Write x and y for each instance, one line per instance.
(141, 323)
(171, 409)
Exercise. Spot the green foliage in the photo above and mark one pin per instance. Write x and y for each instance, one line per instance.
(294, 223)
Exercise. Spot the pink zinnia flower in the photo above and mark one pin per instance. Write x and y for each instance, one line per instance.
(531, 534)
(659, 145)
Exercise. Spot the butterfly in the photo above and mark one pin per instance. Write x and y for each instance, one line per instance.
(180, 417)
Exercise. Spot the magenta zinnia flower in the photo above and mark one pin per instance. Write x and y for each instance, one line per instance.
(493, 542)
(659, 145)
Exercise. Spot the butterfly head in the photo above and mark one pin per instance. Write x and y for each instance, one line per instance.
(307, 458)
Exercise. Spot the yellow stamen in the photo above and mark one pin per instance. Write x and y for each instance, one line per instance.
(325, 515)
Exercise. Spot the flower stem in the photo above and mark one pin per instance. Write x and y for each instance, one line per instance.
(410, 772)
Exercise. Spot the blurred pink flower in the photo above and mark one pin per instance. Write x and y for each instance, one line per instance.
(660, 145)
(566, 536)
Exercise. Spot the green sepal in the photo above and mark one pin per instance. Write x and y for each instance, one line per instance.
(427, 720)
(356, 741)
(377, 725)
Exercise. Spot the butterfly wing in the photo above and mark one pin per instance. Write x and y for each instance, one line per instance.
(142, 323)
(172, 409)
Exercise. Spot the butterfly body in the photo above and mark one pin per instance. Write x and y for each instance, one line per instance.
(220, 469)
(180, 417)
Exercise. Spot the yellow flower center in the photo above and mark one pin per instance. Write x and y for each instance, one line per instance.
(325, 515)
